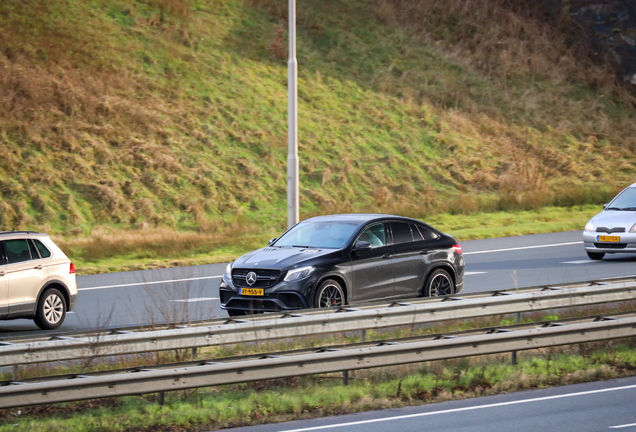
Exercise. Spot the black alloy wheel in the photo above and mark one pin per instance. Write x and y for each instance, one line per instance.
(51, 310)
(595, 255)
(438, 283)
(329, 294)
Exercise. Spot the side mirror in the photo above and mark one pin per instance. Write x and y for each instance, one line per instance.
(269, 243)
(605, 206)
(362, 246)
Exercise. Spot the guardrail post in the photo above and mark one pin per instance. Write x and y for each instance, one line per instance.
(363, 335)
(161, 398)
(14, 372)
(514, 353)
(345, 378)
(194, 353)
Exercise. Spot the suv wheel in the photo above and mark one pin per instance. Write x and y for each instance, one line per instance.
(51, 310)
(329, 294)
(438, 283)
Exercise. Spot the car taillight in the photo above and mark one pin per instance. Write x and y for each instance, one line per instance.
(72, 269)
(457, 248)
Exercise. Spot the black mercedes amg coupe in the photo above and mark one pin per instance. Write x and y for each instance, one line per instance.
(331, 261)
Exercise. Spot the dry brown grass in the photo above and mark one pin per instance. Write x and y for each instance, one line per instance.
(93, 134)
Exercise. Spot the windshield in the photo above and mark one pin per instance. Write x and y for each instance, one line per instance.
(626, 200)
(329, 235)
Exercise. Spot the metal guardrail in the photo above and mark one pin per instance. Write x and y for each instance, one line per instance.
(357, 356)
(317, 322)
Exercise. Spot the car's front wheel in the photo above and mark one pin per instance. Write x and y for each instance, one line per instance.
(51, 310)
(329, 294)
(595, 255)
(438, 283)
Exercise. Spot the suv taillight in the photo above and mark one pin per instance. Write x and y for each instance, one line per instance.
(72, 269)
(457, 248)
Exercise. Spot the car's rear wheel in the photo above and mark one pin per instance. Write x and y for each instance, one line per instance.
(438, 283)
(329, 294)
(595, 255)
(51, 310)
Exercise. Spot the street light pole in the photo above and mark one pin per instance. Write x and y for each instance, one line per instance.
(292, 122)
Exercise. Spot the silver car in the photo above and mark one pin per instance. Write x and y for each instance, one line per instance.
(614, 229)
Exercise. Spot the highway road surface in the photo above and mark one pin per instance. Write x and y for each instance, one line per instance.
(591, 407)
(177, 294)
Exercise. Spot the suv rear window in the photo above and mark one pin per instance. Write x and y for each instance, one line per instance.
(17, 251)
(44, 252)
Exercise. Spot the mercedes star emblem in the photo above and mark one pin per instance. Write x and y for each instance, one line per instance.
(251, 278)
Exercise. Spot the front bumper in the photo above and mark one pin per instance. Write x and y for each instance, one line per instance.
(280, 297)
(626, 243)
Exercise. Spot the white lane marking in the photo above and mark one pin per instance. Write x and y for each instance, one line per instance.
(523, 247)
(147, 283)
(198, 299)
(500, 404)
(587, 261)
(623, 426)
(473, 273)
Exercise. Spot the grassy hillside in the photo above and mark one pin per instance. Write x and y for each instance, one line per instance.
(166, 116)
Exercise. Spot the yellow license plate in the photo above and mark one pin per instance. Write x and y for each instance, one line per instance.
(614, 239)
(252, 291)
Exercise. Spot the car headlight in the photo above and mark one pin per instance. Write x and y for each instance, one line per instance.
(589, 227)
(299, 273)
(633, 229)
(228, 272)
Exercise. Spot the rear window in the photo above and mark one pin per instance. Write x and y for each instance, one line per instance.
(426, 233)
(44, 252)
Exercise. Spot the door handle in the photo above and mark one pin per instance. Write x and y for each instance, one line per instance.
(387, 256)
(2, 273)
(38, 267)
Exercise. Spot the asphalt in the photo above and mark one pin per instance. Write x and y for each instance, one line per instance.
(191, 293)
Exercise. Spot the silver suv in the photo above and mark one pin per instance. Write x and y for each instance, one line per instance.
(37, 281)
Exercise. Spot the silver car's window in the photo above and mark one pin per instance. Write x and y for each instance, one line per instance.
(44, 252)
(626, 200)
(328, 235)
(375, 235)
(17, 251)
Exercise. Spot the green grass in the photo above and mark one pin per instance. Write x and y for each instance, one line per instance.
(171, 114)
(317, 396)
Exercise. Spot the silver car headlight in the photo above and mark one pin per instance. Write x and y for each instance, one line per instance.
(633, 229)
(589, 227)
(299, 273)
(228, 272)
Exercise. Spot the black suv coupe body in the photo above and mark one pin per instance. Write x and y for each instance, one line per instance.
(330, 261)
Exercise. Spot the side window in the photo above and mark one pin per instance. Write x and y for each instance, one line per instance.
(417, 236)
(33, 250)
(17, 251)
(375, 235)
(44, 252)
(401, 232)
(427, 233)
